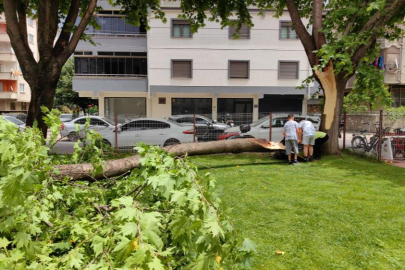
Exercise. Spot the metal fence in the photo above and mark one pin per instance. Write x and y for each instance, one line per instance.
(380, 135)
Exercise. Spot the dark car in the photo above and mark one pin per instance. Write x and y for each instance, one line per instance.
(206, 128)
(19, 116)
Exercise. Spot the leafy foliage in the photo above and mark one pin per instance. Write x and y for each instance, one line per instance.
(164, 215)
(368, 91)
(65, 96)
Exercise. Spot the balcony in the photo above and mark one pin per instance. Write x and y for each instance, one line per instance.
(8, 95)
(7, 56)
(384, 43)
(7, 76)
(110, 83)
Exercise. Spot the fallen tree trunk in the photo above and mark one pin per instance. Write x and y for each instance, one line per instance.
(121, 166)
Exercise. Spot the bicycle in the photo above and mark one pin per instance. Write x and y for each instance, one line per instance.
(360, 143)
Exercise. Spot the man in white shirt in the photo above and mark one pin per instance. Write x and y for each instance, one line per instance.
(308, 139)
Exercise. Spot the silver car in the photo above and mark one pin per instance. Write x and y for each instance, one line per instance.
(97, 123)
(260, 128)
(18, 123)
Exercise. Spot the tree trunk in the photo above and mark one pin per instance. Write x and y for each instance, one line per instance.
(43, 88)
(121, 166)
(333, 88)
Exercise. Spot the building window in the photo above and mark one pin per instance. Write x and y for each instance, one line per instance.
(244, 32)
(287, 31)
(181, 28)
(201, 106)
(126, 67)
(239, 69)
(23, 106)
(398, 96)
(115, 26)
(30, 38)
(1, 86)
(125, 108)
(12, 106)
(22, 90)
(182, 68)
(30, 21)
(0, 68)
(235, 105)
(288, 70)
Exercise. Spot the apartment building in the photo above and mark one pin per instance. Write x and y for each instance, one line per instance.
(15, 93)
(168, 70)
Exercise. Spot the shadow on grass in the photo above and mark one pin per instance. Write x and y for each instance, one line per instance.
(204, 167)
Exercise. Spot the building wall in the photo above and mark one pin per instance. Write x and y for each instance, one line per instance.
(8, 61)
(211, 49)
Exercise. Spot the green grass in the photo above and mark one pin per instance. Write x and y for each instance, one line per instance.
(337, 213)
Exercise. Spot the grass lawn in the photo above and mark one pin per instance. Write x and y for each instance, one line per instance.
(337, 213)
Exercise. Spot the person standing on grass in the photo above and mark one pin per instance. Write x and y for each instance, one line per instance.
(308, 139)
(320, 138)
(291, 133)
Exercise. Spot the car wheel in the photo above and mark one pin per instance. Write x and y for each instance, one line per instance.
(170, 142)
(73, 136)
(106, 142)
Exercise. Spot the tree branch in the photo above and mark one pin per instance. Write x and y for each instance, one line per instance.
(318, 36)
(21, 47)
(71, 46)
(67, 27)
(22, 19)
(306, 39)
(54, 21)
(43, 29)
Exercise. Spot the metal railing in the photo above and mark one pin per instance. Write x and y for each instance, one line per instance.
(142, 76)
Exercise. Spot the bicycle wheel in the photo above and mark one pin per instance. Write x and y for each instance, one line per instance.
(358, 144)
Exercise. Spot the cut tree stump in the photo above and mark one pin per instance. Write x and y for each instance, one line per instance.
(124, 165)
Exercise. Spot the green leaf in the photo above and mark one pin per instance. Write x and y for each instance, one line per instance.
(156, 264)
(213, 226)
(4, 242)
(21, 239)
(130, 228)
(248, 245)
(76, 259)
(123, 244)
(98, 245)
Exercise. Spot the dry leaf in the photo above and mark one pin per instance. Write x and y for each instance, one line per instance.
(278, 252)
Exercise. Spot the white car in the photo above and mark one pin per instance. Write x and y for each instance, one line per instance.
(97, 123)
(18, 123)
(260, 128)
(150, 131)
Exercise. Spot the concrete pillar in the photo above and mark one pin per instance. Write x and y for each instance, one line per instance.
(214, 107)
(304, 106)
(149, 100)
(255, 108)
(101, 106)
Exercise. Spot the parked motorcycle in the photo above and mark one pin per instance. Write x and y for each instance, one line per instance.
(226, 119)
(237, 135)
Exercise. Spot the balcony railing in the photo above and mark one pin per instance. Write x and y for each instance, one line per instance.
(139, 76)
(109, 34)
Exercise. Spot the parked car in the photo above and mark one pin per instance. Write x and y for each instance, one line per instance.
(18, 123)
(260, 128)
(206, 128)
(150, 131)
(66, 117)
(20, 116)
(97, 123)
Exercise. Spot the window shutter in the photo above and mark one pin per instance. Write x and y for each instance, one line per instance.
(288, 70)
(181, 69)
(239, 69)
(244, 32)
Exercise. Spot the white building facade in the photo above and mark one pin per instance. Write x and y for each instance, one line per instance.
(168, 70)
(15, 93)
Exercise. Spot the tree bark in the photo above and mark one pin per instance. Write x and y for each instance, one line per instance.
(121, 166)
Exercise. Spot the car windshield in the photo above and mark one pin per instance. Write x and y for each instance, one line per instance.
(108, 121)
(13, 120)
(260, 121)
